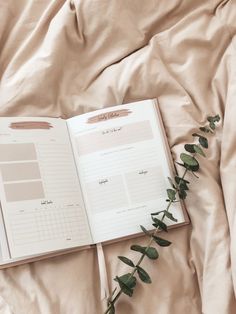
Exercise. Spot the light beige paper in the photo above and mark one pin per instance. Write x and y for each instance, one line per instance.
(61, 58)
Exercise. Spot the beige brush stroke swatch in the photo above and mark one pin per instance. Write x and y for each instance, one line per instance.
(109, 115)
(30, 125)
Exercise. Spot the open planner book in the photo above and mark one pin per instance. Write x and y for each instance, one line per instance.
(69, 184)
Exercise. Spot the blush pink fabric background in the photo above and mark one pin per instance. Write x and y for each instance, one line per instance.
(63, 58)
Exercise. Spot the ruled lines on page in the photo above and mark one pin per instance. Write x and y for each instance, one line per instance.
(123, 168)
(42, 204)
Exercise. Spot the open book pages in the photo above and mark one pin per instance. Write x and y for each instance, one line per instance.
(71, 183)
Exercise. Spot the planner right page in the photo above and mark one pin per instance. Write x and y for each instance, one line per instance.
(123, 168)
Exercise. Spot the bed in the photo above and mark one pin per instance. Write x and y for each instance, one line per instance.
(63, 58)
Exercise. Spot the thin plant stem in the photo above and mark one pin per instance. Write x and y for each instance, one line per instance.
(118, 294)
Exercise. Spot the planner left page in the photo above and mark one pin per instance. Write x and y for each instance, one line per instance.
(41, 199)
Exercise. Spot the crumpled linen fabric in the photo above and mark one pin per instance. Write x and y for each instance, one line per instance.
(63, 58)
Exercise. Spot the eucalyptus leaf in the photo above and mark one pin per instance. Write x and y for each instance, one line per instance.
(213, 118)
(178, 180)
(127, 283)
(182, 183)
(161, 241)
(205, 129)
(125, 289)
(198, 150)
(157, 213)
(129, 280)
(182, 194)
(149, 251)
(171, 194)
(192, 168)
(203, 141)
(152, 253)
(212, 125)
(137, 248)
(160, 224)
(183, 186)
(171, 182)
(189, 148)
(196, 135)
(170, 216)
(188, 159)
(145, 230)
(143, 275)
(216, 118)
(126, 260)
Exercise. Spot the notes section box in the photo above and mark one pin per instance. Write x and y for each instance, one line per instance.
(136, 187)
(145, 185)
(113, 137)
(107, 193)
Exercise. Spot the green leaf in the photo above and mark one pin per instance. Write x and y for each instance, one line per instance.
(212, 125)
(171, 194)
(188, 160)
(152, 253)
(126, 260)
(192, 168)
(160, 224)
(182, 183)
(124, 287)
(196, 135)
(216, 118)
(182, 194)
(183, 186)
(205, 129)
(143, 275)
(212, 121)
(157, 213)
(161, 241)
(137, 248)
(127, 283)
(178, 180)
(129, 280)
(198, 150)
(203, 141)
(171, 182)
(145, 230)
(170, 216)
(213, 118)
(189, 148)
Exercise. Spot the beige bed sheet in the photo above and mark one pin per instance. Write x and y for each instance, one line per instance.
(61, 58)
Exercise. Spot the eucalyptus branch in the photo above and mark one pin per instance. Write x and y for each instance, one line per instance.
(179, 186)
